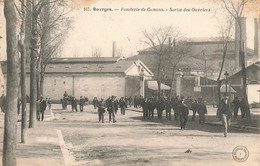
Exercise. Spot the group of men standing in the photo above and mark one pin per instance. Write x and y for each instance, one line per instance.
(112, 105)
(179, 105)
(41, 106)
(74, 102)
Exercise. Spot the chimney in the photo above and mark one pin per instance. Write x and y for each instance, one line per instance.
(243, 41)
(114, 49)
(256, 39)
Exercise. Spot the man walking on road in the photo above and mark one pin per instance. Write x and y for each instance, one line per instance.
(43, 107)
(202, 110)
(122, 105)
(184, 112)
(225, 111)
(81, 103)
(194, 108)
(101, 110)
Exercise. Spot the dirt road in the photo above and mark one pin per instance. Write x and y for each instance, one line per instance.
(134, 141)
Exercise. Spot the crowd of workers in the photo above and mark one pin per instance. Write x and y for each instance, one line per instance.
(179, 105)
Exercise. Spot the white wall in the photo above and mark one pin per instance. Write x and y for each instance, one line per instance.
(253, 95)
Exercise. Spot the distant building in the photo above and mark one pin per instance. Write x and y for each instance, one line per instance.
(93, 77)
(253, 82)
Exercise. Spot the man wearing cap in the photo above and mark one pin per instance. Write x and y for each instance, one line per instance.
(81, 103)
(111, 108)
(202, 110)
(183, 113)
(225, 112)
(101, 110)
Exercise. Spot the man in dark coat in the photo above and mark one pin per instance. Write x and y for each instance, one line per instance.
(151, 107)
(109, 107)
(135, 102)
(74, 104)
(144, 104)
(184, 112)
(110, 102)
(81, 103)
(116, 104)
(95, 102)
(43, 107)
(101, 110)
(242, 106)
(113, 108)
(202, 110)
(225, 113)
(235, 103)
(168, 107)
(122, 105)
(65, 99)
(194, 108)
(176, 108)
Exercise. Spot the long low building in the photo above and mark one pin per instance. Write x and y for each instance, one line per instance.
(92, 77)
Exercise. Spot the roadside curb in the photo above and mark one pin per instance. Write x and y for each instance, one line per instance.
(69, 160)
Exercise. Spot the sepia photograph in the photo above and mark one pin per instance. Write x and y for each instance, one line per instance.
(129, 82)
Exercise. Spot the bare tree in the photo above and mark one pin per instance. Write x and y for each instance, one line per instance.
(23, 72)
(157, 40)
(53, 28)
(96, 52)
(226, 31)
(10, 124)
(34, 8)
(179, 52)
(236, 10)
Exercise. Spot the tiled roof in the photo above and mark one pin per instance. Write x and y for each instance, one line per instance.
(85, 60)
(79, 68)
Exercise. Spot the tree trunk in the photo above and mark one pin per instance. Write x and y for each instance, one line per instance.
(23, 76)
(219, 93)
(33, 89)
(41, 84)
(10, 124)
(159, 78)
(38, 79)
(172, 79)
(28, 32)
(242, 58)
(244, 88)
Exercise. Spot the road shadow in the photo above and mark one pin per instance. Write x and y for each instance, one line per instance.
(191, 125)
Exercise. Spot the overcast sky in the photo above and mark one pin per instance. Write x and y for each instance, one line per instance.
(95, 29)
(98, 29)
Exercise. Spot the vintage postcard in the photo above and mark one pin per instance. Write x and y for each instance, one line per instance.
(131, 82)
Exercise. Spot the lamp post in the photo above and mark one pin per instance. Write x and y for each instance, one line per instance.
(226, 74)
